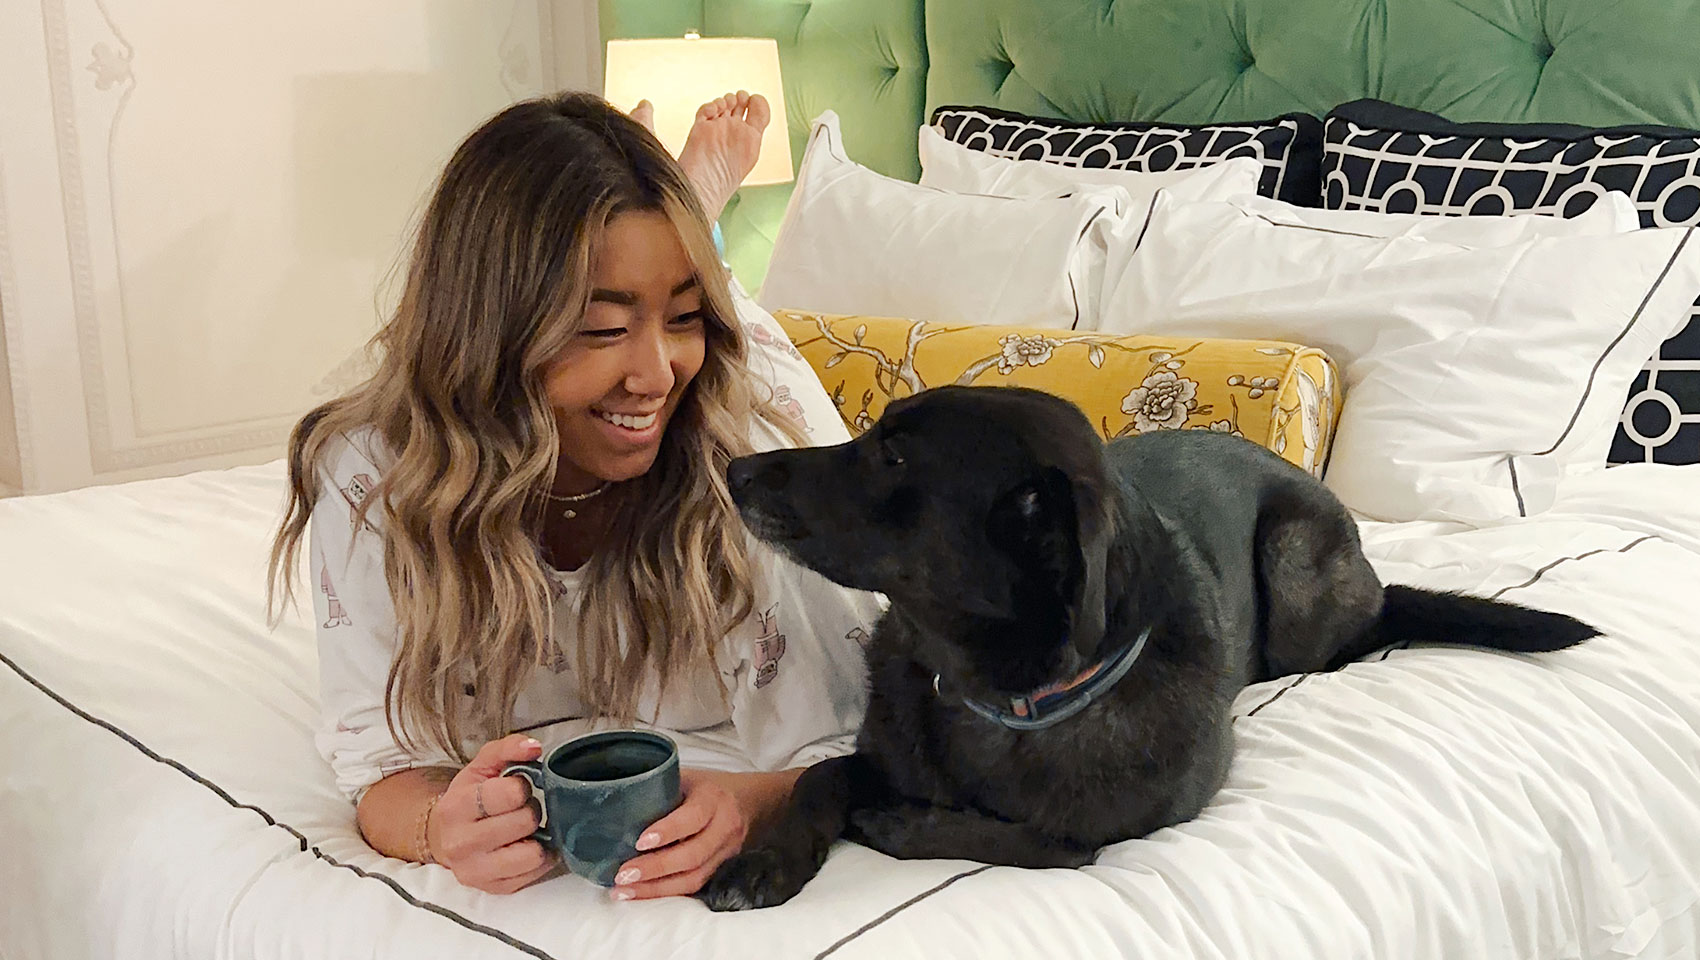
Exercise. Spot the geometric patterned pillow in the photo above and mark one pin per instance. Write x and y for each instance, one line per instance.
(1281, 395)
(1382, 157)
(1288, 146)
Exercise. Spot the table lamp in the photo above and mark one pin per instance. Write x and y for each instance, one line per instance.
(678, 75)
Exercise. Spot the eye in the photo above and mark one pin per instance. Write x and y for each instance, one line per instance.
(605, 333)
(892, 457)
(690, 319)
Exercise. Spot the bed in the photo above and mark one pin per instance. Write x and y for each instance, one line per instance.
(162, 795)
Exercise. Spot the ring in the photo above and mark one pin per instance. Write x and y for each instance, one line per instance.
(478, 797)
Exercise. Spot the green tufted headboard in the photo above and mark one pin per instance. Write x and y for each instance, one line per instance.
(883, 65)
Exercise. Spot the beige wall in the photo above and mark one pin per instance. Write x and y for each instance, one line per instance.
(11, 462)
(200, 201)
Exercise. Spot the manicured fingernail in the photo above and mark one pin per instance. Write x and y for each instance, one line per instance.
(647, 841)
(622, 895)
(532, 742)
(628, 875)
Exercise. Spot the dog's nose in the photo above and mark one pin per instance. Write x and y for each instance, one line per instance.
(744, 471)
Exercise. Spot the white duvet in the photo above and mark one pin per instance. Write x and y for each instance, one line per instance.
(160, 795)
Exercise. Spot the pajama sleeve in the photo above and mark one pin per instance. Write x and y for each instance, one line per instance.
(356, 628)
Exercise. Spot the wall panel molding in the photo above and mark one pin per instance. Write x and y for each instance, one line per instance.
(206, 227)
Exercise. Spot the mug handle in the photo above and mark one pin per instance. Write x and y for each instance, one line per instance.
(532, 771)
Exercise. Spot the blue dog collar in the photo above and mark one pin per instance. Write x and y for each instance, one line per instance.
(1057, 702)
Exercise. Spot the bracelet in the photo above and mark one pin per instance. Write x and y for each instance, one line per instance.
(423, 842)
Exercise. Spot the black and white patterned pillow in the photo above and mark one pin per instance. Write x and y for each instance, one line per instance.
(1377, 156)
(1288, 146)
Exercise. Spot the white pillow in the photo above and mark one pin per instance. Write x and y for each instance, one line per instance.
(948, 165)
(1476, 377)
(853, 241)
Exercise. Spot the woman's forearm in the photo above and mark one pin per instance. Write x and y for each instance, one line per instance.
(762, 796)
(392, 812)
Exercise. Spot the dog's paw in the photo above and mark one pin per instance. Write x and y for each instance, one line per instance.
(756, 878)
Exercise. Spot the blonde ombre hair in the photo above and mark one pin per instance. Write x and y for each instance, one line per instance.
(497, 285)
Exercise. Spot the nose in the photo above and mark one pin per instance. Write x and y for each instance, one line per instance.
(651, 373)
(745, 471)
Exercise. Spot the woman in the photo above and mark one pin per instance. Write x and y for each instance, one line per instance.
(520, 523)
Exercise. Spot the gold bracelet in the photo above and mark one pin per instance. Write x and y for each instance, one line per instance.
(423, 844)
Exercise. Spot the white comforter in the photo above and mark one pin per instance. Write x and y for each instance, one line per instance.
(160, 794)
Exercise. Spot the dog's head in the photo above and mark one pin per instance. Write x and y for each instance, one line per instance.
(977, 502)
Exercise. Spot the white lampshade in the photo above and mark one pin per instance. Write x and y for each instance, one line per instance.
(680, 75)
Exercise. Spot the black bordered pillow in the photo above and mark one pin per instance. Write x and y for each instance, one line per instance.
(1289, 146)
(1382, 157)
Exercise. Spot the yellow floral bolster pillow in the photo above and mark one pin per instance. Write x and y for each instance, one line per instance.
(1284, 396)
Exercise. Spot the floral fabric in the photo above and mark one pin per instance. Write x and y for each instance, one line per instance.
(1284, 396)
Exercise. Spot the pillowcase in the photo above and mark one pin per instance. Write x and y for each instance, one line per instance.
(1477, 377)
(1612, 214)
(1281, 395)
(1289, 147)
(853, 241)
(951, 166)
(1378, 156)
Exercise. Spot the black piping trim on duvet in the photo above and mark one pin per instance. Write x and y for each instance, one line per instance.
(1502, 591)
(272, 821)
(394, 887)
(1516, 488)
(894, 911)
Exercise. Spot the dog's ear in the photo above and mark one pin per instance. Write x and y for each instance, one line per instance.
(1095, 526)
(1034, 523)
(1057, 526)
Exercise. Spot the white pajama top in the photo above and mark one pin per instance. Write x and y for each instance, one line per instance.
(793, 676)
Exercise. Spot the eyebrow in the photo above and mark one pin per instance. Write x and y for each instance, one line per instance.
(628, 298)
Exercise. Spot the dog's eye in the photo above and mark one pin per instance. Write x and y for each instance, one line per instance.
(892, 457)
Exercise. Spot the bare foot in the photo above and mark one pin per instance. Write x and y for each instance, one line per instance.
(644, 113)
(723, 146)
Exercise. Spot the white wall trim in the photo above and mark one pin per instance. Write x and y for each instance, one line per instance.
(103, 382)
(14, 433)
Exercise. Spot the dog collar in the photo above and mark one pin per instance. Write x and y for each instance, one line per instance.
(1057, 702)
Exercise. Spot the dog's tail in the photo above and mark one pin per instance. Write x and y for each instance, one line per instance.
(1412, 615)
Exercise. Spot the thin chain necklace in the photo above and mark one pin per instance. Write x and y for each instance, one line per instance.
(576, 498)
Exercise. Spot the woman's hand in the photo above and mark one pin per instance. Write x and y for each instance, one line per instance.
(708, 826)
(481, 826)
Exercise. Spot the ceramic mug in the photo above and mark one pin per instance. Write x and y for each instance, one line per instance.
(598, 793)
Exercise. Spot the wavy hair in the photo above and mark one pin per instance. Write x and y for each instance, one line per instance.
(496, 286)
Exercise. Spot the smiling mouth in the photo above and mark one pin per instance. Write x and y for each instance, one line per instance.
(628, 421)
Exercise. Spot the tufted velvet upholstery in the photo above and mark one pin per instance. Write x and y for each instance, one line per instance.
(862, 58)
(1593, 62)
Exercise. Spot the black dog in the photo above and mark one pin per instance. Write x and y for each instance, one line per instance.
(1070, 622)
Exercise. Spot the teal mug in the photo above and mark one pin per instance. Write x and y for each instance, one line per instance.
(598, 793)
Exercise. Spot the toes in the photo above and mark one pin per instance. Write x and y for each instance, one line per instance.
(644, 113)
(759, 112)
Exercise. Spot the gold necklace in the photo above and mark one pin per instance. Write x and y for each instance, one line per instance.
(572, 498)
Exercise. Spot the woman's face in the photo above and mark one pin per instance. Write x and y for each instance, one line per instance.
(616, 386)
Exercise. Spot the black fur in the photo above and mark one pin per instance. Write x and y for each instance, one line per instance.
(1016, 550)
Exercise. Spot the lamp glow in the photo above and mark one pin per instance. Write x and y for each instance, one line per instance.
(680, 75)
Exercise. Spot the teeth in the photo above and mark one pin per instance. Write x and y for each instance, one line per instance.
(629, 422)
